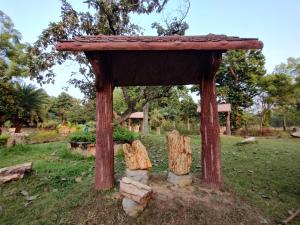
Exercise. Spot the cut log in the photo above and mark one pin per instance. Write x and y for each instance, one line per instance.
(180, 153)
(20, 169)
(14, 172)
(136, 156)
(135, 190)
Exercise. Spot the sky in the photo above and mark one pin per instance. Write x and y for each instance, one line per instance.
(275, 22)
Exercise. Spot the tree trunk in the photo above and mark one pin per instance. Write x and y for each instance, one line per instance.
(211, 149)
(18, 127)
(188, 124)
(284, 123)
(145, 125)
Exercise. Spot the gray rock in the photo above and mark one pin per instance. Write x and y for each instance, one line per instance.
(138, 175)
(180, 180)
(132, 208)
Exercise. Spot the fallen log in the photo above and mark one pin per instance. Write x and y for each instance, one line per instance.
(14, 172)
(135, 190)
(291, 217)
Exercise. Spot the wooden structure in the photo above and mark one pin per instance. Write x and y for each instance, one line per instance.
(135, 116)
(165, 60)
(223, 108)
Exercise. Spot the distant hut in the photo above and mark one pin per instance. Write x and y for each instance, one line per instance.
(135, 120)
(223, 108)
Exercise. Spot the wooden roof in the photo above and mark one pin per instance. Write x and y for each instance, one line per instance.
(221, 108)
(136, 115)
(149, 60)
(176, 42)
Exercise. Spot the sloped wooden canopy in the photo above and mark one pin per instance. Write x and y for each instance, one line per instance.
(147, 60)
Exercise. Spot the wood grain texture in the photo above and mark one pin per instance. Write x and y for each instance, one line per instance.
(166, 43)
(104, 164)
(211, 149)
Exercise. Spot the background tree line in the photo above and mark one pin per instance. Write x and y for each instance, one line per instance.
(256, 97)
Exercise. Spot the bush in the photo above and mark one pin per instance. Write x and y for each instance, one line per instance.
(80, 136)
(120, 135)
(3, 140)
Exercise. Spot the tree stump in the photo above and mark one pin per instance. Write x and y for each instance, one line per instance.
(180, 153)
(136, 156)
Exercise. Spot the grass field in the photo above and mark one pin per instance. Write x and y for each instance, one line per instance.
(266, 175)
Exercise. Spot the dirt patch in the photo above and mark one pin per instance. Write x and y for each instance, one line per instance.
(170, 205)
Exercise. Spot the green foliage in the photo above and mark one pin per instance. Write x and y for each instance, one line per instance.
(27, 104)
(264, 174)
(3, 139)
(64, 104)
(238, 78)
(104, 17)
(122, 135)
(80, 136)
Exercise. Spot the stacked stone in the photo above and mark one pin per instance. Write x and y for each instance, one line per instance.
(134, 185)
(180, 159)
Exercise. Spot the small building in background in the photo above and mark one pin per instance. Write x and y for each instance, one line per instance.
(135, 121)
(223, 108)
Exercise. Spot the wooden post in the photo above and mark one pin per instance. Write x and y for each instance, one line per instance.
(211, 149)
(104, 168)
(228, 128)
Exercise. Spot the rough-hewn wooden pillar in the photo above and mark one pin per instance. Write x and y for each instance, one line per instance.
(228, 128)
(211, 149)
(104, 168)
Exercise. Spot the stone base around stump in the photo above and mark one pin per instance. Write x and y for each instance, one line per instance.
(180, 180)
(138, 175)
(132, 208)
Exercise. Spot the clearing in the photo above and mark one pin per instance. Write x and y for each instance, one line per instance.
(262, 184)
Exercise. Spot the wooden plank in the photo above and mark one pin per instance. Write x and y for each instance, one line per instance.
(211, 149)
(17, 169)
(104, 168)
(135, 191)
(165, 46)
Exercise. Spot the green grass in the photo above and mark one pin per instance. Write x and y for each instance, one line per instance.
(266, 174)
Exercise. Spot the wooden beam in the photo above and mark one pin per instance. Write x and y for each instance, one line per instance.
(211, 149)
(142, 46)
(228, 127)
(104, 168)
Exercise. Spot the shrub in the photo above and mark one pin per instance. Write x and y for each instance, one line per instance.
(120, 135)
(80, 136)
(3, 140)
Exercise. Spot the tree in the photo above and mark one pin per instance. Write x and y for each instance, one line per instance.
(237, 80)
(278, 92)
(13, 64)
(110, 18)
(28, 105)
(64, 104)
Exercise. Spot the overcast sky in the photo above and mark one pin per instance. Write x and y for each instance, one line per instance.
(275, 22)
